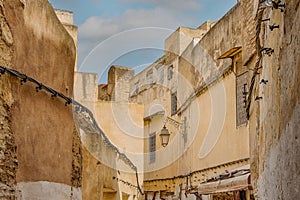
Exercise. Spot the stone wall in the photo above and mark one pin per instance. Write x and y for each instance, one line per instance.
(8, 154)
(77, 160)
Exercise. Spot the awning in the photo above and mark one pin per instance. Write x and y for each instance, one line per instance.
(230, 53)
(226, 185)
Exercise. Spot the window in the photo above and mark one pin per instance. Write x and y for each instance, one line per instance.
(241, 90)
(149, 77)
(160, 74)
(170, 72)
(152, 147)
(243, 195)
(241, 94)
(136, 87)
(174, 103)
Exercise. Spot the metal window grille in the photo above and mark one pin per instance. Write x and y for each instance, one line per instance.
(174, 103)
(152, 147)
(161, 74)
(149, 77)
(170, 72)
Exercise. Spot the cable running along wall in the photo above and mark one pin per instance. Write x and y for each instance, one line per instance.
(82, 115)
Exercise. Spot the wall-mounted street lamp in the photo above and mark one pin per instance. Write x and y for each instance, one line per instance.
(165, 134)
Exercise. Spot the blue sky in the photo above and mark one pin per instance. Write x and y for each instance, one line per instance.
(132, 32)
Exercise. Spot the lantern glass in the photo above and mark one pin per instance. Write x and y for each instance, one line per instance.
(165, 136)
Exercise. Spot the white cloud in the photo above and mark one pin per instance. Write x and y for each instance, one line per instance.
(98, 27)
(107, 37)
(103, 54)
(174, 4)
(101, 27)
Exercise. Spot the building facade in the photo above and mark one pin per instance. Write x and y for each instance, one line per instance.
(213, 91)
(195, 90)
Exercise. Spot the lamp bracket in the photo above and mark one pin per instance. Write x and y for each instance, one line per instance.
(172, 121)
(178, 125)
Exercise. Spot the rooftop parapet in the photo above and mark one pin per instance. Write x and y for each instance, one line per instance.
(65, 16)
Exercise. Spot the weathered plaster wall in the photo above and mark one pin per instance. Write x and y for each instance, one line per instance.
(118, 87)
(199, 64)
(66, 18)
(177, 42)
(119, 83)
(274, 120)
(224, 35)
(44, 190)
(39, 47)
(248, 10)
(85, 87)
(97, 177)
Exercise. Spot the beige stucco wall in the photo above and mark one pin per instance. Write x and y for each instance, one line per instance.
(206, 92)
(96, 176)
(100, 167)
(122, 123)
(208, 145)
